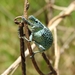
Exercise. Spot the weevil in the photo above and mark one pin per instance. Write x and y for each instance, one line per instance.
(40, 34)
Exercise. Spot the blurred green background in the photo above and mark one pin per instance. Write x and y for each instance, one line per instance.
(9, 41)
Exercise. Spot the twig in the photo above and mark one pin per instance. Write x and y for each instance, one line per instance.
(49, 9)
(56, 20)
(49, 65)
(22, 46)
(57, 52)
(26, 6)
(16, 63)
(13, 70)
(58, 7)
(47, 6)
(49, 15)
(22, 50)
(28, 44)
(12, 67)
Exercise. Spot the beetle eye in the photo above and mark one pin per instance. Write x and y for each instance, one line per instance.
(36, 21)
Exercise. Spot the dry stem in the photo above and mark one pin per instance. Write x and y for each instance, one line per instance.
(28, 43)
(57, 52)
(47, 6)
(56, 20)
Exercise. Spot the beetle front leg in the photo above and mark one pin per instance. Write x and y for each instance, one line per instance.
(41, 49)
(30, 38)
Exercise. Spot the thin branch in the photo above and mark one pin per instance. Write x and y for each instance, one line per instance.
(13, 70)
(22, 50)
(53, 72)
(28, 43)
(50, 9)
(56, 20)
(49, 15)
(22, 46)
(58, 7)
(12, 67)
(26, 6)
(47, 6)
(16, 63)
(57, 52)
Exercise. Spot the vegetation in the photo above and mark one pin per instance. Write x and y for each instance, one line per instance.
(9, 41)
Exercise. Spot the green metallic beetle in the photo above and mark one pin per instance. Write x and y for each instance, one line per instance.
(40, 34)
